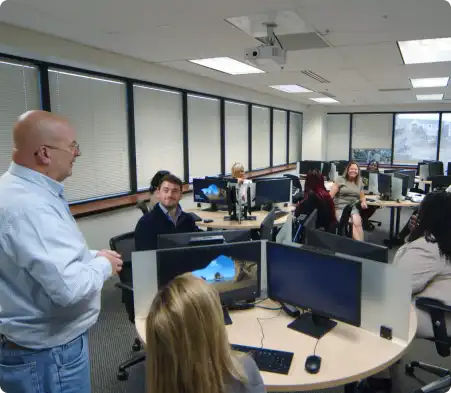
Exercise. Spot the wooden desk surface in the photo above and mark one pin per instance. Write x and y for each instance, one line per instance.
(348, 353)
(220, 223)
(380, 203)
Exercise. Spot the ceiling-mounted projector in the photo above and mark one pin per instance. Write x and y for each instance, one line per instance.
(267, 57)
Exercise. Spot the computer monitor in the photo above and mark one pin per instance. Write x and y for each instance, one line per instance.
(389, 171)
(341, 167)
(233, 269)
(423, 171)
(327, 286)
(448, 171)
(211, 190)
(327, 166)
(272, 190)
(177, 240)
(404, 183)
(306, 166)
(345, 245)
(411, 174)
(435, 168)
(440, 182)
(365, 175)
(384, 184)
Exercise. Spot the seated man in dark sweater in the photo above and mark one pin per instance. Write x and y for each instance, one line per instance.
(166, 217)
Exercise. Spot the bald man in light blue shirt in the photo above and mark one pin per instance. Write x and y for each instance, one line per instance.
(50, 281)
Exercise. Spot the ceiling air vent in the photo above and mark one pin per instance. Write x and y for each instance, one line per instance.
(315, 76)
(394, 90)
(327, 94)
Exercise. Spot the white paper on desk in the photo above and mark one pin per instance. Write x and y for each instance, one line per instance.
(386, 298)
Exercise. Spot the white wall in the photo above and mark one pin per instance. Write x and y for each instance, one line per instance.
(31, 44)
(314, 134)
(98, 229)
(388, 108)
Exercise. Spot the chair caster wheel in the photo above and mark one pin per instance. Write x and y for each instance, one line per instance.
(122, 375)
(410, 370)
(136, 347)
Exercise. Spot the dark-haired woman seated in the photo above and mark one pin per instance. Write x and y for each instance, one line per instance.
(317, 197)
(427, 256)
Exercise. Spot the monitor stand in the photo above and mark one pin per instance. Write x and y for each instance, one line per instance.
(313, 325)
(227, 319)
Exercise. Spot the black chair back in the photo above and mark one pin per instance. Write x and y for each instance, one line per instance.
(142, 205)
(296, 188)
(344, 228)
(125, 244)
(266, 227)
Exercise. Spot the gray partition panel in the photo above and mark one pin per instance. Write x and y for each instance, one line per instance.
(145, 285)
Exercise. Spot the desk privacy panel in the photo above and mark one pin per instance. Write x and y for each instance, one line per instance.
(96, 107)
(158, 133)
(19, 93)
(260, 137)
(236, 135)
(145, 284)
(279, 152)
(204, 136)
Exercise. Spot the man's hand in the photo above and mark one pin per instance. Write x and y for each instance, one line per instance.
(114, 258)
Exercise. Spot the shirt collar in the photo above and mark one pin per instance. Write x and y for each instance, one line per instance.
(178, 212)
(46, 182)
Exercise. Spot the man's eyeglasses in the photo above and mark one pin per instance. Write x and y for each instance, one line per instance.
(74, 148)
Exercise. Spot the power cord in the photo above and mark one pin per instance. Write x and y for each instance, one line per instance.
(314, 350)
(269, 308)
(261, 327)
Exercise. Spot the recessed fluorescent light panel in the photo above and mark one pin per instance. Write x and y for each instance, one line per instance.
(291, 88)
(228, 65)
(429, 82)
(325, 100)
(426, 51)
(429, 97)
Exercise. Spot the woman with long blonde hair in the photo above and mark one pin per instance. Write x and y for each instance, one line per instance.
(187, 346)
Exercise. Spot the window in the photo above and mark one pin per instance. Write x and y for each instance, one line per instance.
(337, 137)
(260, 137)
(279, 137)
(204, 136)
(19, 93)
(236, 135)
(416, 136)
(158, 133)
(372, 137)
(295, 137)
(445, 140)
(96, 107)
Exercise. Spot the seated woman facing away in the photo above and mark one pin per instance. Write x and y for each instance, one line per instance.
(317, 197)
(188, 349)
(347, 189)
(426, 256)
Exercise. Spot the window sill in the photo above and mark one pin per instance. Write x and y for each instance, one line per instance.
(106, 205)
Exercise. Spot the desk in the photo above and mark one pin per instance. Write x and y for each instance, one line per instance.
(427, 184)
(348, 353)
(220, 223)
(394, 219)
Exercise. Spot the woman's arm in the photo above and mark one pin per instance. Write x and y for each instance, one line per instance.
(363, 200)
(334, 189)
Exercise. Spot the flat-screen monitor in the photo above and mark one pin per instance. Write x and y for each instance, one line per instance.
(274, 190)
(384, 184)
(233, 269)
(326, 285)
(365, 175)
(327, 166)
(440, 182)
(306, 166)
(435, 168)
(345, 245)
(404, 182)
(341, 167)
(210, 190)
(448, 172)
(177, 240)
(411, 174)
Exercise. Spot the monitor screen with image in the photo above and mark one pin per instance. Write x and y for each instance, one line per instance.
(233, 269)
(210, 190)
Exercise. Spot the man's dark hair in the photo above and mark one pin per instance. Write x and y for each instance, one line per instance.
(170, 178)
(433, 222)
(156, 179)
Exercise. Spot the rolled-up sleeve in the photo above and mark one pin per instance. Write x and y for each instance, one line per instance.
(54, 253)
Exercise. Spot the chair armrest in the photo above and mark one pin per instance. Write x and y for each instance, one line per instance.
(426, 303)
(124, 287)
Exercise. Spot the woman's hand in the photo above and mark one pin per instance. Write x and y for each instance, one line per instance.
(240, 180)
(363, 205)
(413, 222)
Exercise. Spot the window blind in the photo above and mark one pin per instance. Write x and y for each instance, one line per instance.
(260, 137)
(236, 135)
(337, 135)
(19, 93)
(96, 107)
(295, 137)
(158, 133)
(279, 148)
(204, 136)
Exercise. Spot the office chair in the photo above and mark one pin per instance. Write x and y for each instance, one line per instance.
(142, 205)
(125, 244)
(296, 192)
(344, 226)
(267, 226)
(437, 311)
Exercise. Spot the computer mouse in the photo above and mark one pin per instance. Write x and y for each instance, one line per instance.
(207, 220)
(312, 364)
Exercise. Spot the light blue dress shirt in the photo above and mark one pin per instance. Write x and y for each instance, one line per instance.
(178, 213)
(50, 281)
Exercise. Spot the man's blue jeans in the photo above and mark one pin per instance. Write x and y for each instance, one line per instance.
(63, 369)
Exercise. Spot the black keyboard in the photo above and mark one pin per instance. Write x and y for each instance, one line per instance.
(196, 218)
(268, 359)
